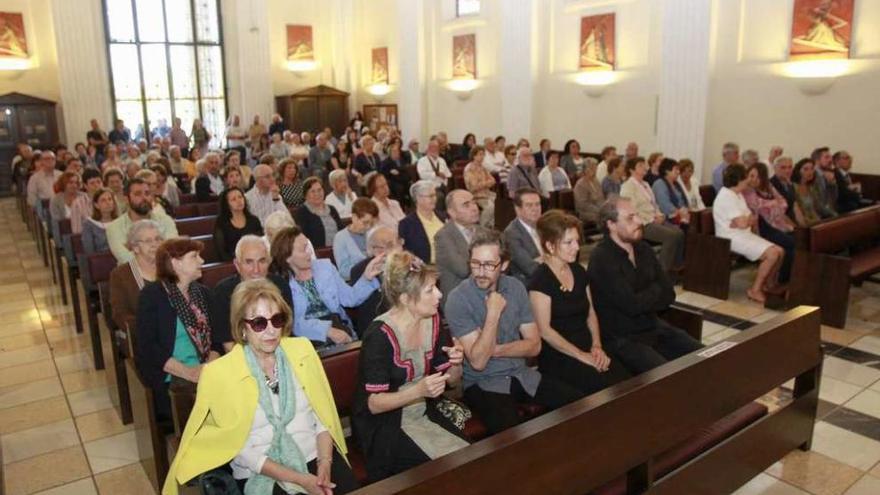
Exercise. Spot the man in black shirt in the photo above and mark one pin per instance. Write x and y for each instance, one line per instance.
(120, 133)
(252, 263)
(629, 288)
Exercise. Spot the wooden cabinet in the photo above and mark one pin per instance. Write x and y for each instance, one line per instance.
(27, 119)
(314, 109)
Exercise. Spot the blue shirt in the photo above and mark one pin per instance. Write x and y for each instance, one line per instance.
(348, 250)
(718, 176)
(668, 203)
(336, 294)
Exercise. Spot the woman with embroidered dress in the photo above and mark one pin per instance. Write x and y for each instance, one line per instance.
(400, 419)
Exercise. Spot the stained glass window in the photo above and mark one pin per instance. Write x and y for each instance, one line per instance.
(166, 62)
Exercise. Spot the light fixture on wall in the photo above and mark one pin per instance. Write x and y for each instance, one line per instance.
(463, 88)
(595, 82)
(300, 67)
(815, 77)
(379, 90)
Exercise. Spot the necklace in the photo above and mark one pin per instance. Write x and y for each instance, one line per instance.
(272, 383)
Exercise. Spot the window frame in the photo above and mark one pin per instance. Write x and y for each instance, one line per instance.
(194, 45)
(458, 13)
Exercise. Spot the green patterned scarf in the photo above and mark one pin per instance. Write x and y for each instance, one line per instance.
(284, 449)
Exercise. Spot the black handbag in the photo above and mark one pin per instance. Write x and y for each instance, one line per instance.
(218, 482)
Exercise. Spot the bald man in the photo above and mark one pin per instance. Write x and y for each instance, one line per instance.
(381, 240)
(265, 197)
(453, 241)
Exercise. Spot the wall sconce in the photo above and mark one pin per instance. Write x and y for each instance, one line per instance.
(815, 77)
(463, 88)
(13, 68)
(300, 67)
(379, 91)
(595, 82)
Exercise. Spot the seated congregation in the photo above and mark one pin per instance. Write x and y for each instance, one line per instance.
(462, 316)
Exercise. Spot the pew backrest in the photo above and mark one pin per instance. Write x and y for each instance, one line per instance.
(644, 417)
(195, 226)
(852, 229)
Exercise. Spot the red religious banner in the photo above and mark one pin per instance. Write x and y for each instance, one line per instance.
(13, 42)
(299, 43)
(464, 56)
(597, 42)
(380, 66)
(821, 29)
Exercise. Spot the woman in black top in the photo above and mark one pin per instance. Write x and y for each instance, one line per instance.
(173, 333)
(234, 221)
(560, 299)
(319, 221)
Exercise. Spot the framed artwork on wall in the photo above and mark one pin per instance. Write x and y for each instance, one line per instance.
(821, 29)
(597, 50)
(380, 116)
(464, 56)
(380, 66)
(13, 39)
(299, 43)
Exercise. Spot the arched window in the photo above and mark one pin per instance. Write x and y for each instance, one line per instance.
(166, 61)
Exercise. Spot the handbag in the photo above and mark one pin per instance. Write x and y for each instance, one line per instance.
(218, 482)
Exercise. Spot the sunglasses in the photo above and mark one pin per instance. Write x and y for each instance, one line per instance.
(258, 324)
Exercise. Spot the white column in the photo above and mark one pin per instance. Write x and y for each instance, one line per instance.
(516, 68)
(343, 71)
(411, 79)
(248, 66)
(684, 80)
(82, 66)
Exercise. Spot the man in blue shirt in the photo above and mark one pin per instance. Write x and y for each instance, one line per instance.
(729, 154)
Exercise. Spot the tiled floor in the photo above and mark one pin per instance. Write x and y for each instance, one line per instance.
(60, 435)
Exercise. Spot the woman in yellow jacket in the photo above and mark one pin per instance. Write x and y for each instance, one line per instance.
(265, 408)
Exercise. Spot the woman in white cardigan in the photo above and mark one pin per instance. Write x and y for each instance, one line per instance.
(350, 244)
(690, 185)
(553, 177)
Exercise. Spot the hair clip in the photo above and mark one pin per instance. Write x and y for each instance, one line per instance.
(416, 265)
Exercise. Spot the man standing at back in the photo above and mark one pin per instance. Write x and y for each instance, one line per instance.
(453, 239)
(252, 263)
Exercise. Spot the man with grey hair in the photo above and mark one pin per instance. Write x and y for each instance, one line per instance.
(265, 197)
(209, 183)
(251, 263)
(729, 155)
(629, 288)
(750, 157)
(524, 173)
(433, 167)
(381, 240)
(781, 180)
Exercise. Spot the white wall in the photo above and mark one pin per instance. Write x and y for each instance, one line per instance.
(626, 111)
(752, 103)
(42, 79)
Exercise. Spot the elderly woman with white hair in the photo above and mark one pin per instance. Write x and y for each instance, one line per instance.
(419, 227)
(341, 196)
(127, 279)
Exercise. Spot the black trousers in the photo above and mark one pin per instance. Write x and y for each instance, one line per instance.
(340, 474)
(783, 240)
(648, 350)
(498, 411)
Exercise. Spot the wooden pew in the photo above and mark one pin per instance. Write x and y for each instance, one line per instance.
(707, 194)
(870, 185)
(831, 256)
(341, 366)
(707, 258)
(195, 226)
(593, 442)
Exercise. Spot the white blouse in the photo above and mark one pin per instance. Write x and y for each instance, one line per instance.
(304, 429)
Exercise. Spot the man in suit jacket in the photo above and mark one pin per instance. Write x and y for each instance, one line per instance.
(542, 154)
(452, 242)
(521, 237)
(781, 180)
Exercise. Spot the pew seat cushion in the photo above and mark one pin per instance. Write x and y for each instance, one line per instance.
(698, 443)
(865, 263)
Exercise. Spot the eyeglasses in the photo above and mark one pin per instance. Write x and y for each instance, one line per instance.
(486, 265)
(258, 324)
